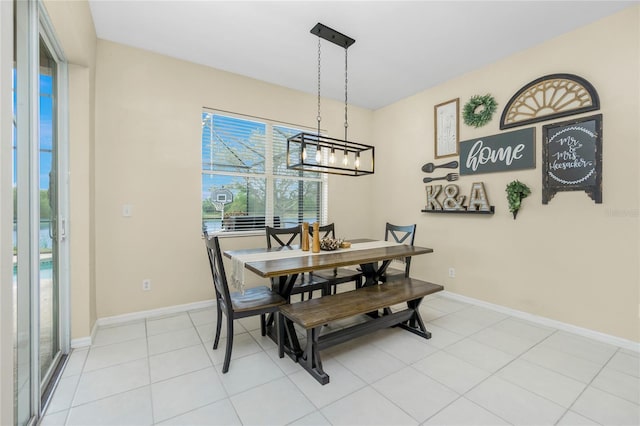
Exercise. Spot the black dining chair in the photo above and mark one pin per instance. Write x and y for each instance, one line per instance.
(335, 276)
(305, 283)
(253, 301)
(402, 234)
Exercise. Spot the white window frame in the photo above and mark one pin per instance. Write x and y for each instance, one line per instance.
(268, 175)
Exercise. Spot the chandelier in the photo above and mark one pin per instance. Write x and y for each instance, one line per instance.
(318, 153)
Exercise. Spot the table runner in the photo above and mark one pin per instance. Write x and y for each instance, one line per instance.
(239, 261)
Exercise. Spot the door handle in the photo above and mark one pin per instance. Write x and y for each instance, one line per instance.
(63, 230)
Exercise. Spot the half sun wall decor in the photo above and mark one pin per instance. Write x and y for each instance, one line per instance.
(549, 97)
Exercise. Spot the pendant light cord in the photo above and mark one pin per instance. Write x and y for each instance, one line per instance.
(319, 118)
(346, 81)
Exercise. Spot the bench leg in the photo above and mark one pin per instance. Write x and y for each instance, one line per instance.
(420, 330)
(311, 360)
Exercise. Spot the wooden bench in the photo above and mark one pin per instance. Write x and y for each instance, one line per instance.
(313, 314)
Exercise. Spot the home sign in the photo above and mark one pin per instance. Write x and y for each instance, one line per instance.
(499, 153)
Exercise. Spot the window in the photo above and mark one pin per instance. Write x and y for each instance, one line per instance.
(245, 181)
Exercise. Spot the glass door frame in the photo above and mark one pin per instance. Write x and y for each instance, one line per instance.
(7, 391)
(33, 24)
(47, 34)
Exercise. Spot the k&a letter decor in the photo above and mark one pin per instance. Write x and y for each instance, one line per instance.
(572, 157)
(449, 200)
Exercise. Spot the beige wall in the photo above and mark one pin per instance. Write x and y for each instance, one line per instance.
(74, 29)
(148, 141)
(146, 153)
(571, 260)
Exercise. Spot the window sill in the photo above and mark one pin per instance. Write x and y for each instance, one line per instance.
(235, 234)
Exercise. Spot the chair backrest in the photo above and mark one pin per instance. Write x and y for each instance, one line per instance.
(283, 236)
(402, 234)
(218, 274)
(325, 231)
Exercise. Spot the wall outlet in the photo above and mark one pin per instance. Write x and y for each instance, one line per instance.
(146, 285)
(452, 272)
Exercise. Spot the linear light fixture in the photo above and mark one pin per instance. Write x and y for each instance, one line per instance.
(323, 154)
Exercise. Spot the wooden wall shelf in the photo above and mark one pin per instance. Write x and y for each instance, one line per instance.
(460, 211)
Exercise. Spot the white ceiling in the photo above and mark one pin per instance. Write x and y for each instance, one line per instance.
(402, 47)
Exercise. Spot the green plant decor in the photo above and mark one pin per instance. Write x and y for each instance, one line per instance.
(479, 110)
(516, 192)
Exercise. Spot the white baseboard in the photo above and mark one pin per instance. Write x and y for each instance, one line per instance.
(585, 332)
(135, 316)
(81, 342)
(592, 334)
(153, 313)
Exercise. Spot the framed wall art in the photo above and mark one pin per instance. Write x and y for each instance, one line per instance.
(572, 157)
(447, 128)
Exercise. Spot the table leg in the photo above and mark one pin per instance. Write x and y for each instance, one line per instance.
(372, 272)
(288, 340)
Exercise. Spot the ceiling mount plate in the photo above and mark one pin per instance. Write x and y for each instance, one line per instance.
(332, 35)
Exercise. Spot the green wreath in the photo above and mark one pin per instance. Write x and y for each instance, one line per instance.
(475, 118)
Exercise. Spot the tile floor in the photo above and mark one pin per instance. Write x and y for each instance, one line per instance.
(480, 368)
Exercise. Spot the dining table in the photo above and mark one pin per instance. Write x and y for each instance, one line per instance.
(285, 264)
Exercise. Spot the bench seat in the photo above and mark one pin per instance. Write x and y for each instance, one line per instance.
(316, 312)
(313, 314)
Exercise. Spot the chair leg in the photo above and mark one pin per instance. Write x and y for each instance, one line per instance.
(280, 333)
(227, 354)
(218, 327)
(263, 325)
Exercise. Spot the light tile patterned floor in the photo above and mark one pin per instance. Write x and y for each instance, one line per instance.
(480, 368)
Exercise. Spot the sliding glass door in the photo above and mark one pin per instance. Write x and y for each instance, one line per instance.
(40, 246)
(48, 278)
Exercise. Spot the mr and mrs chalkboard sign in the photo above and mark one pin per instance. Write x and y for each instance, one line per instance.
(572, 157)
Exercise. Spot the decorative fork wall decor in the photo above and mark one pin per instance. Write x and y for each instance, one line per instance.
(449, 177)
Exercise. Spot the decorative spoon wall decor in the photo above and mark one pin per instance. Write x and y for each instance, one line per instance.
(430, 167)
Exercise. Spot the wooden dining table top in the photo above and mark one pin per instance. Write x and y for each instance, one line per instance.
(288, 265)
